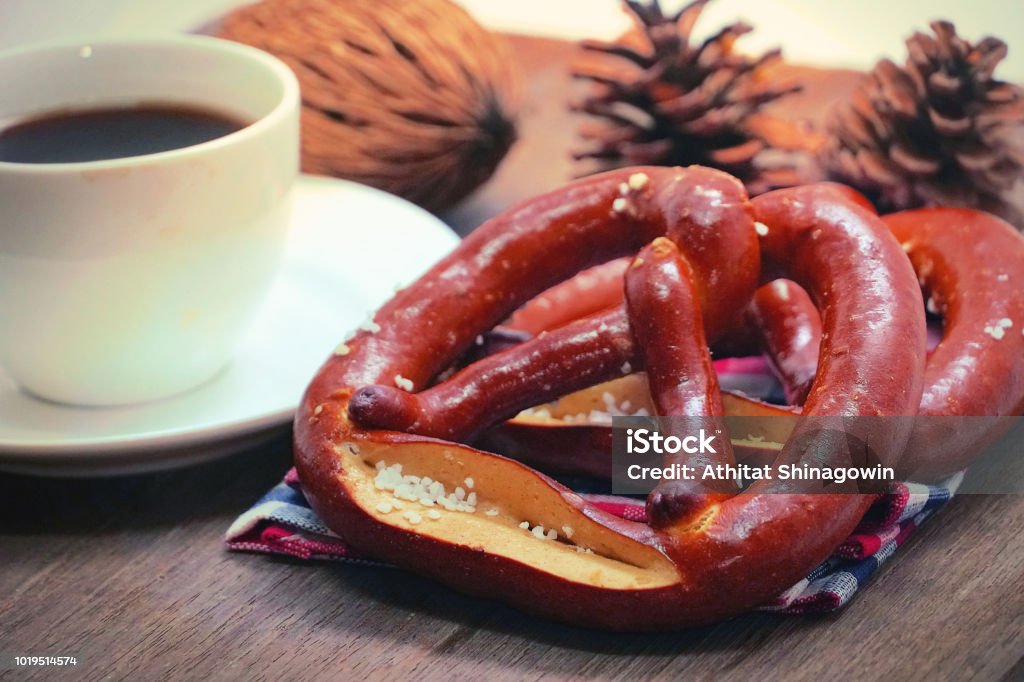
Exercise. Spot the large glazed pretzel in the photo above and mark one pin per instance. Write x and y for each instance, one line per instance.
(489, 525)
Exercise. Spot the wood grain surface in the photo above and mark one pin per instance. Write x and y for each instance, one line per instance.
(130, 574)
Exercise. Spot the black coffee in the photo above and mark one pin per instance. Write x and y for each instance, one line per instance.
(113, 133)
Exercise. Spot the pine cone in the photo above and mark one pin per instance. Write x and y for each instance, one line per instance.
(941, 130)
(660, 99)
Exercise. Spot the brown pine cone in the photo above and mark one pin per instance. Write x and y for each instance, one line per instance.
(939, 131)
(661, 99)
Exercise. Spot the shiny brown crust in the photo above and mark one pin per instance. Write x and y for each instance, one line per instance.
(972, 264)
(783, 318)
(969, 263)
(665, 321)
(873, 332)
(745, 549)
(592, 291)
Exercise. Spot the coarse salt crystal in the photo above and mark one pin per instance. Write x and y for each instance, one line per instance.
(412, 517)
(422, 490)
(781, 289)
(403, 383)
(434, 514)
(318, 409)
(525, 525)
(567, 531)
(996, 333)
(342, 349)
(538, 532)
(620, 205)
(468, 482)
(761, 229)
(552, 534)
(637, 181)
(384, 507)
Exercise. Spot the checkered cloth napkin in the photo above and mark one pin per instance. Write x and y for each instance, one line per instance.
(283, 523)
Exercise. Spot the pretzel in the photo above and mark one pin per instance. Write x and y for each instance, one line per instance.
(371, 406)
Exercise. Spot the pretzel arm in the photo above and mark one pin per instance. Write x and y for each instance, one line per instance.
(786, 323)
(666, 323)
(972, 263)
(588, 293)
(574, 356)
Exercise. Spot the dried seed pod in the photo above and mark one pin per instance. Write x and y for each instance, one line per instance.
(414, 98)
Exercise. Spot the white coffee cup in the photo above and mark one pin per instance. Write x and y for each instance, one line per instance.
(132, 279)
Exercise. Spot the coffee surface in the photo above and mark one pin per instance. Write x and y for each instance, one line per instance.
(72, 136)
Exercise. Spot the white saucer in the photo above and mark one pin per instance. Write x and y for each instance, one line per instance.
(350, 247)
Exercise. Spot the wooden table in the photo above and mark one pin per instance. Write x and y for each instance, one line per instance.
(130, 575)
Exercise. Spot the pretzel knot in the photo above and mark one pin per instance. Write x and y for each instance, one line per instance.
(380, 440)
